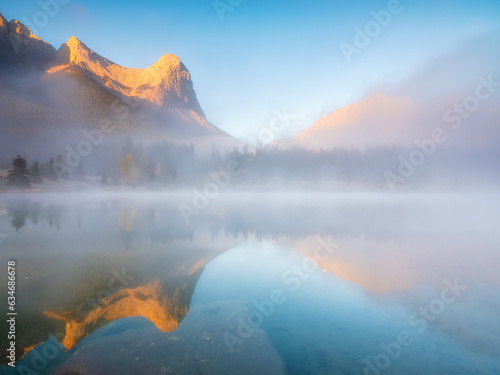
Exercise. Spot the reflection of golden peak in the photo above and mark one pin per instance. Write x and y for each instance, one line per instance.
(148, 301)
(383, 270)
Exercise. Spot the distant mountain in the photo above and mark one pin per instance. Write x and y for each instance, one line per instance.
(48, 96)
(375, 120)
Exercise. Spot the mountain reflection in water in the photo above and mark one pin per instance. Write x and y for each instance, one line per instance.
(127, 286)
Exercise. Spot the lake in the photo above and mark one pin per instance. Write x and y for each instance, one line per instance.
(253, 283)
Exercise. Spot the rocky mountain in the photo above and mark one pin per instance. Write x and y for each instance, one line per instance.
(19, 46)
(374, 120)
(48, 96)
(164, 85)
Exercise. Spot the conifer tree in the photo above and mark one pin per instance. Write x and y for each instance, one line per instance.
(19, 175)
(36, 173)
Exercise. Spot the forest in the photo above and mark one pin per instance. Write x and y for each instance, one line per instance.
(174, 166)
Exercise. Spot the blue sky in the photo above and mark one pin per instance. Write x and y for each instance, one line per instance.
(267, 55)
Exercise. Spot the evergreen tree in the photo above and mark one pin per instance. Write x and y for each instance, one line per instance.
(44, 169)
(50, 170)
(19, 175)
(36, 173)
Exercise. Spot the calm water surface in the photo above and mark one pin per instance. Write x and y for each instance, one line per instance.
(254, 284)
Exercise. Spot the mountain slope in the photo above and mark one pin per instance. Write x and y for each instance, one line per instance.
(375, 120)
(167, 79)
(19, 46)
(48, 97)
(165, 87)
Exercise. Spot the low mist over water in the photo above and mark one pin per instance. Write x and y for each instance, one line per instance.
(306, 283)
(249, 187)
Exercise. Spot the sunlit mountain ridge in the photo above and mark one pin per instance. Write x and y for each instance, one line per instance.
(49, 96)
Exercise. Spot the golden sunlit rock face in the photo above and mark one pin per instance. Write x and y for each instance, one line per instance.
(165, 89)
(167, 79)
(80, 88)
(17, 27)
(54, 95)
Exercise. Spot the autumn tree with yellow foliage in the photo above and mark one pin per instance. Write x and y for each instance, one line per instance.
(128, 170)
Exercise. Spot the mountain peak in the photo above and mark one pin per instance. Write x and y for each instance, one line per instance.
(375, 119)
(19, 46)
(375, 105)
(75, 42)
(168, 60)
(165, 83)
(3, 21)
(77, 53)
(161, 98)
(16, 27)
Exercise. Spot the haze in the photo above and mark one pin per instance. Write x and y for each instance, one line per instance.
(267, 55)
